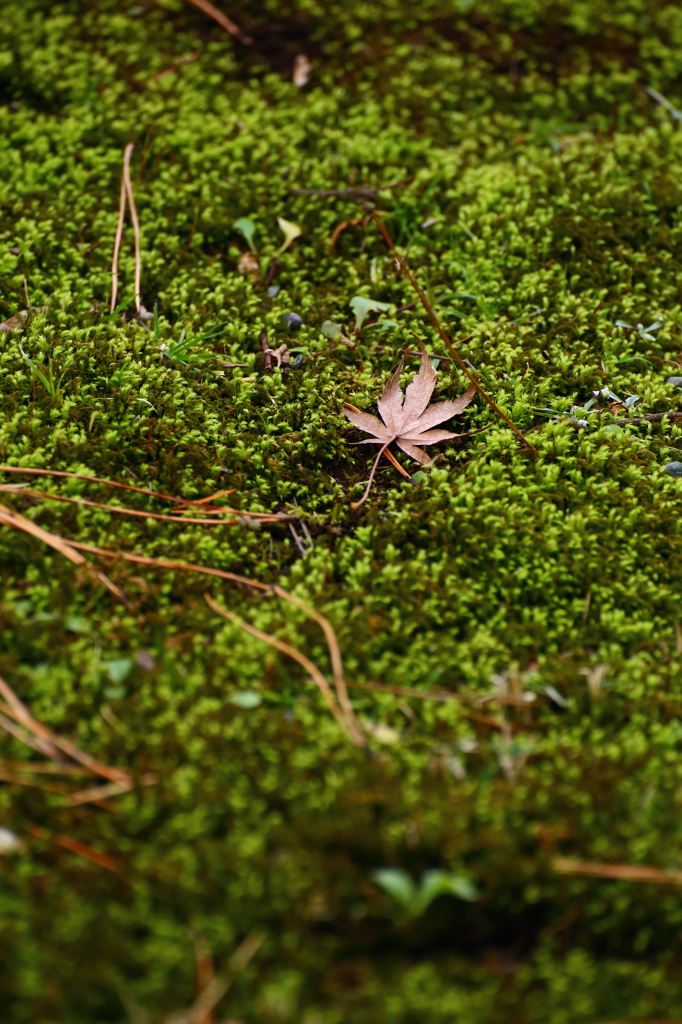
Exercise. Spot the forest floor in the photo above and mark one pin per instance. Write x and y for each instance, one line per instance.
(302, 758)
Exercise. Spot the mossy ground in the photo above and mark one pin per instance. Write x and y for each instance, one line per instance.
(541, 201)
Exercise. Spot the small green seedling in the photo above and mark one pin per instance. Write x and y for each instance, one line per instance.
(362, 307)
(644, 332)
(246, 227)
(180, 350)
(290, 232)
(416, 898)
(45, 375)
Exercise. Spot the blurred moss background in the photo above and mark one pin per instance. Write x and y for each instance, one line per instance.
(537, 186)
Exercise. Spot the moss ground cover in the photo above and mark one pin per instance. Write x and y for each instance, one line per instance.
(538, 195)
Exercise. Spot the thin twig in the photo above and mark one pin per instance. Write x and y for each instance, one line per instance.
(304, 527)
(382, 450)
(40, 730)
(133, 216)
(44, 768)
(443, 334)
(96, 793)
(441, 695)
(272, 270)
(408, 691)
(396, 465)
(117, 244)
(25, 737)
(12, 779)
(222, 19)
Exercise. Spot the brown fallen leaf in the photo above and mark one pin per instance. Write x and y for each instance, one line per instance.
(20, 320)
(16, 322)
(408, 421)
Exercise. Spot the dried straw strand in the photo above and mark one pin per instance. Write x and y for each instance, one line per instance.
(136, 224)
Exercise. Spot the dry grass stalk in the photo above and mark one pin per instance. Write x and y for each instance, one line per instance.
(336, 661)
(117, 775)
(624, 872)
(115, 508)
(441, 695)
(166, 563)
(205, 972)
(43, 767)
(74, 846)
(38, 736)
(19, 522)
(133, 216)
(222, 19)
(17, 710)
(176, 66)
(95, 794)
(443, 333)
(313, 671)
(262, 516)
(45, 744)
(24, 736)
(219, 983)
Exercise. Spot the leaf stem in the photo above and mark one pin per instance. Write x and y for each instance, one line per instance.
(363, 499)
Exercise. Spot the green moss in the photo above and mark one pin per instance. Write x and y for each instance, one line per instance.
(540, 202)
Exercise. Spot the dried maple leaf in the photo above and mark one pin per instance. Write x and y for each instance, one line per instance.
(408, 421)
